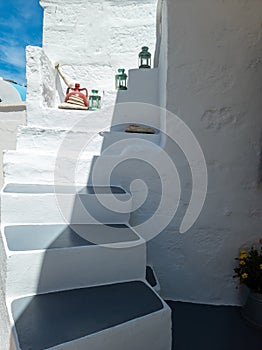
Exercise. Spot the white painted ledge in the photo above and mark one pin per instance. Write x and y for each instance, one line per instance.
(29, 271)
(13, 107)
(62, 204)
(46, 140)
(36, 167)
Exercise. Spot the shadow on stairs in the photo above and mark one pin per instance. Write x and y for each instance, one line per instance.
(205, 327)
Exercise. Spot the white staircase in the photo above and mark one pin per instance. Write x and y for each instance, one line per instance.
(73, 270)
(127, 315)
(63, 204)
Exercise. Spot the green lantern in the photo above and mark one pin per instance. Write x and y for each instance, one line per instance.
(94, 101)
(121, 80)
(144, 58)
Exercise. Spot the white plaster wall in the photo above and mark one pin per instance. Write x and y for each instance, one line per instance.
(10, 119)
(214, 84)
(41, 86)
(46, 90)
(161, 59)
(210, 69)
(92, 39)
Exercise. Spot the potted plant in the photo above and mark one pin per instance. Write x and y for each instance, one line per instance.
(249, 273)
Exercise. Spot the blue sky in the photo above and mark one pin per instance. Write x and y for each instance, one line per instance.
(20, 25)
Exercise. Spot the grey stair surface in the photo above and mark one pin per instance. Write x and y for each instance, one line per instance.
(38, 237)
(210, 327)
(47, 320)
(35, 188)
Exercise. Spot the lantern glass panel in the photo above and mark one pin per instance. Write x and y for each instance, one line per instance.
(94, 101)
(121, 80)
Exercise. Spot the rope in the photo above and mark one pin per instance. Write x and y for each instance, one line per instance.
(63, 76)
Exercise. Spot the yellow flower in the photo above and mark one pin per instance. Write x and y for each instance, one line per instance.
(242, 262)
(243, 256)
(260, 266)
(244, 275)
(243, 251)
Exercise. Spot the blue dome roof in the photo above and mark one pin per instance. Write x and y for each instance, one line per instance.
(21, 89)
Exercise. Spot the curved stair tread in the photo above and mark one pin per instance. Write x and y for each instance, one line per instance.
(39, 188)
(47, 320)
(45, 237)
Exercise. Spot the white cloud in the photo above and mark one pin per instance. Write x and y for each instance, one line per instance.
(19, 77)
(18, 28)
(24, 8)
(11, 23)
(13, 55)
(8, 41)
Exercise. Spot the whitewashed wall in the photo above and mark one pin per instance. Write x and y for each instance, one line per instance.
(12, 114)
(214, 84)
(92, 39)
(9, 122)
(210, 65)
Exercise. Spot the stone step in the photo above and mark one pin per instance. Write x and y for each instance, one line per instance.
(46, 168)
(114, 137)
(43, 258)
(43, 204)
(51, 140)
(119, 316)
(142, 87)
(140, 103)
(69, 119)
